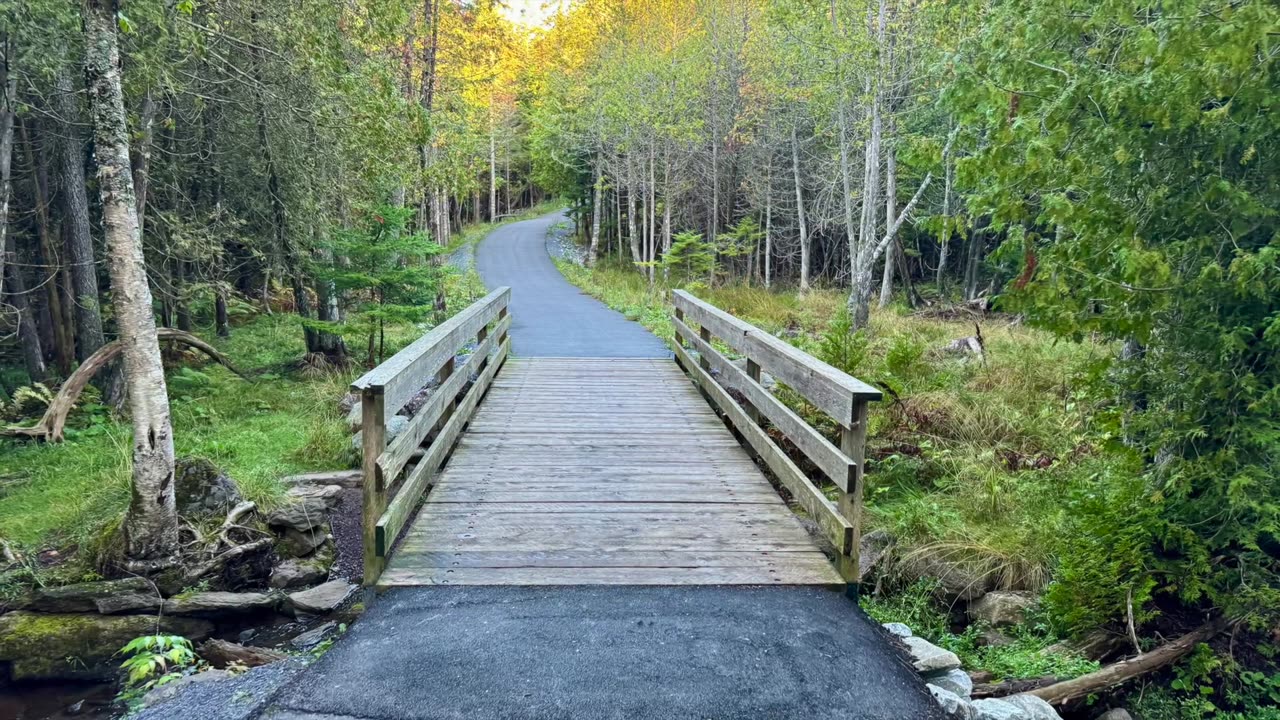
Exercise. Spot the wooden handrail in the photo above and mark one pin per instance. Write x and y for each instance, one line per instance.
(843, 397)
(385, 389)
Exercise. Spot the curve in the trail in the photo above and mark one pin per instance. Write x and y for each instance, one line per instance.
(550, 317)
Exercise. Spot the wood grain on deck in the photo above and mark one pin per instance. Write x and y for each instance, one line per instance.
(602, 472)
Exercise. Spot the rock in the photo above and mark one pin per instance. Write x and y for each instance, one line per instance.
(954, 680)
(955, 578)
(992, 709)
(929, 658)
(991, 637)
(247, 636)
(169, 691)
(219, 603)
(1033, 707)
(872, 548)
(296, 573)
(314, 637)
(302, 515)
(77, 646)
(396, 424)
(1001, 608)
(302, 543)
(130, 604)
(74, 708)
(329, 494)
(1116, 714)
(200, 488)
(981, 676)
(221, 653)
(341, 478)
(898, 629)
(321, 598)
(953, 706)
(83, 597)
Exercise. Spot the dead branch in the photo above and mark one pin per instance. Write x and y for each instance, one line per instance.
(1125, 670)
(1012, 687)
(51, 426)
(205, 568)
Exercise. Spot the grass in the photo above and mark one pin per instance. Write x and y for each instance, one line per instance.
(284, 420)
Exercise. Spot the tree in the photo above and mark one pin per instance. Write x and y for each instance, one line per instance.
(150, 526)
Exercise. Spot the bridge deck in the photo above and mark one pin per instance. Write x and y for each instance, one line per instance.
(602, 472)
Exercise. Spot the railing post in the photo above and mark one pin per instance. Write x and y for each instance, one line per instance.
(374, 439)
(853, 441)
(502, 314)
(753, 372)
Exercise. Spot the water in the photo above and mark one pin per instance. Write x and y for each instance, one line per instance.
(56, 700)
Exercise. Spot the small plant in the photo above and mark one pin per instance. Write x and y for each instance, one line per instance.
(840, 346)
(155, 660)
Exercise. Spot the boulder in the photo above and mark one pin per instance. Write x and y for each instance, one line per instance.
(1116, 714)
(221, 653)
(992, 709)
(83, 597)
(219, 603)
(303, 514)
(300, 544)
(1033, 707)
(898, 629)
(200, 488)
(928, 658)
(65, 646)
(954, 680)
(953, 706)
(1001, 608)
(315, 636)
(956, 579)
(990, 637)
(872, 548)
(321, 598)
(395, 425)
(299, 572)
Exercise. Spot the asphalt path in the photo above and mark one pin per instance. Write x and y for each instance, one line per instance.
(549, 316)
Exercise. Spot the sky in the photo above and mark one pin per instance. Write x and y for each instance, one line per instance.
(531, 12)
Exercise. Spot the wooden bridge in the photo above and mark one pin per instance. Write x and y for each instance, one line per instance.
(586, 471)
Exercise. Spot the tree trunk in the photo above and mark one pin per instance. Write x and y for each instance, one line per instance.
(8, 93)
(151, 524)
(84, 274)
(141, 163)
(804, 230)
(890, 210)
(597, 200)
(768, 231)
(653, 215)
(64, 349)
(28, 333)
(945, 243)
(633, 230)
(221, 323)
(493, 166)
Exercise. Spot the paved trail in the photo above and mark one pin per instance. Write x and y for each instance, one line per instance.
(549, 316)
(601, 653)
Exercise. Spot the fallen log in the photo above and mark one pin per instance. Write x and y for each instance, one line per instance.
(51, 425)
(1011, 687)
(220, 654)
(1068, 690)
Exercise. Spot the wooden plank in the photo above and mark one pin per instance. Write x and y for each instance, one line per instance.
(399, 509)
(489, 491)
(592, 511)
(831, 390)
(815, 574)
(406, 372)
(393, 459)
(835, 464)
(837, 529)
(617, 558)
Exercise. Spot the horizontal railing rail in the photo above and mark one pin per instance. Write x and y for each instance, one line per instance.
(842, 397)
(387, 388)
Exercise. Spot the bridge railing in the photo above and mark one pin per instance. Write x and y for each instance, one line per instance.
(842, 397)
(386, 389)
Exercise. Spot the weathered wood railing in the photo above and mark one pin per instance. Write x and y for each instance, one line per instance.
(386, 389)
(842, 397)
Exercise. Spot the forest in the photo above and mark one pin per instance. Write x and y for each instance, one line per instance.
(1081, 193)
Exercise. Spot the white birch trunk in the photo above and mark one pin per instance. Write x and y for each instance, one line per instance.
(151, 524)
(804, 230)
(890, 211)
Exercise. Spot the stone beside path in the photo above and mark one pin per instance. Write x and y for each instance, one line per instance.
(952, 687)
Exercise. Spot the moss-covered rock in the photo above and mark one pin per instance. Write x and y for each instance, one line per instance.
(72, 646)
(84, 597)
(200, 488)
